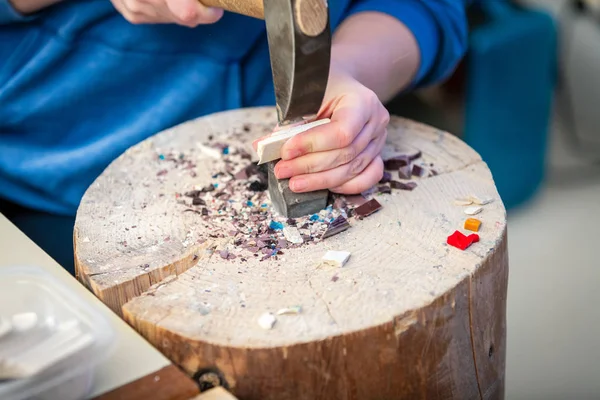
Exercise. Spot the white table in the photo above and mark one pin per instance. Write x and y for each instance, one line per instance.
(135, 367)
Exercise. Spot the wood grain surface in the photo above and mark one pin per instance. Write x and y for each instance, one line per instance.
(312, 16)
(217, 393)
(407, 317)
(168, 383)
(251, 8)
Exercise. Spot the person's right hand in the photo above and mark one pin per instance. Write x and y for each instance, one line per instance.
(183, 12)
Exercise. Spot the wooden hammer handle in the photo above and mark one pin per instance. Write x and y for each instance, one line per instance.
(252, 8)
(311, 15)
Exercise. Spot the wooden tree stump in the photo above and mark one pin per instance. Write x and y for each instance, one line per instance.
(408, 317)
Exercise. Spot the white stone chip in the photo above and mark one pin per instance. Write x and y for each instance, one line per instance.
(473, 210)
(290, 310)
(267, 321)
(24, 321)
(336, 258)
(68, 339)
(463, 202)
(210, 151)
(292, 234)
(269, 148)
(480, 201)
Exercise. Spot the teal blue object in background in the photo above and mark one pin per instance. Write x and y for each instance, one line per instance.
(511, 73)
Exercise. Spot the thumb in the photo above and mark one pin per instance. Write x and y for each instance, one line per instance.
(192, 12)
(211, 15)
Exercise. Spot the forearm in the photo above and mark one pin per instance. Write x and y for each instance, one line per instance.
(31, 6)
(378, 50)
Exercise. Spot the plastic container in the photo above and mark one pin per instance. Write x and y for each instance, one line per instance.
(30, 289)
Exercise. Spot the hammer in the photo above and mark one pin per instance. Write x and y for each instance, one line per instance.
(299, 37)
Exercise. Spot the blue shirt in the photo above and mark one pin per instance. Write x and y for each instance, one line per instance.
(79, 84)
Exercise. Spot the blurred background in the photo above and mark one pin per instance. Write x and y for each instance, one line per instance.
(527, 98)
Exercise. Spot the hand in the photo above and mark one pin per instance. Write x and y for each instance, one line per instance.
(26, 7)
(190, 13)
(344, 155)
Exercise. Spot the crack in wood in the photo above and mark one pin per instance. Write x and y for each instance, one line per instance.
(373, 341)
(473, 352)
(324, 302)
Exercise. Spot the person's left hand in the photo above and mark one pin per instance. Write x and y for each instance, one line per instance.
(344, 155)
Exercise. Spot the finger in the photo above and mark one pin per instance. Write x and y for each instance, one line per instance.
(142, 12)
(369, 177)
(346, 122)
(164, 14)
(118, 4)
(337, 176)
(120, 7)
(139, 9)
(192, 13)
(326, 160)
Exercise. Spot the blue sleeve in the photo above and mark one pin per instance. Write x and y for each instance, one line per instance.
(439, 26)
(8, 13)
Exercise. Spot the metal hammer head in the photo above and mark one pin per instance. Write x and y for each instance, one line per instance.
(299, 38)
(290, 204)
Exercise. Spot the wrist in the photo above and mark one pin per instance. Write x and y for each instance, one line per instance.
(341, 61)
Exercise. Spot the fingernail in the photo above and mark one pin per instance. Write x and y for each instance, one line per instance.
(299, 184)
(214, 12)
(290, 154)
(282, 172)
